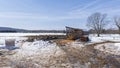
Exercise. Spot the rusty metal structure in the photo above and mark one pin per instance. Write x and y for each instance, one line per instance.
(75, 33)
(70, 34)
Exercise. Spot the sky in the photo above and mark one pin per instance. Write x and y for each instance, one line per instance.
(53, 14)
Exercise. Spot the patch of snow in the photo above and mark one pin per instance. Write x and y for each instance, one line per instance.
(104, 37)
(31, 48)
(113, 48)
(37, 45)
(27, 34)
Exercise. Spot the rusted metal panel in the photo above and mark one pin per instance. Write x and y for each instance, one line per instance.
(75, 33)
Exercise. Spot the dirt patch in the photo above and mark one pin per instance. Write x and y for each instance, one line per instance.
(4, 58)
(62, 41)
(92, 57)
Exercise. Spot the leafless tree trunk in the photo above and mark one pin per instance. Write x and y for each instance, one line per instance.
(97, 22)
(117, 23)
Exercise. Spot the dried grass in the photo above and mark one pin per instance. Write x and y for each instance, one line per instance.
(67, 56)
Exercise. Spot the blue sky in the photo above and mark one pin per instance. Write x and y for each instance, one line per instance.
(53, 14)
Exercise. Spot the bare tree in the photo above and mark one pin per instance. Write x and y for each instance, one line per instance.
(117, 23)
(97, 22)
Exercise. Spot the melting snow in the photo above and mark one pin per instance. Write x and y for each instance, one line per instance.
(113, 48)
(104, 37)
(31, 48)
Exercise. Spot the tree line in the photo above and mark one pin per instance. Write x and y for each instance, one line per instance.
(97, 22)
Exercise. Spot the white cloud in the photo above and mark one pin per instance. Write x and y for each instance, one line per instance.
(81, 13)
(34, 16)
(85, 7)
(21, 15)
(109, 7)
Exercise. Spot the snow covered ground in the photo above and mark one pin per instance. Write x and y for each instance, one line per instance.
(104, 37)
(113, 48)
(17, 39)
(45, 54)
(27, 34)
(19, 36)
(50, 54)
(38, 44)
